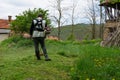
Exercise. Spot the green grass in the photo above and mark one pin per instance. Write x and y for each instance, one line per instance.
(97, 63)
(22, 65)
(70, 61)
(19, 62)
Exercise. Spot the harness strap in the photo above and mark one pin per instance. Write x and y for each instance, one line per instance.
(39, 24)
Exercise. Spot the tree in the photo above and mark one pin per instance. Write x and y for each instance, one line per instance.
(92, 15)
(73, 7)
(102, 21)
(73, 15)
(23, 21)
(58, 16)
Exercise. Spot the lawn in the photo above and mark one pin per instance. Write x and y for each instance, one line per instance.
(70, 61)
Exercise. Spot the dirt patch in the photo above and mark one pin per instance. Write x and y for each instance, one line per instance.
(3, 37)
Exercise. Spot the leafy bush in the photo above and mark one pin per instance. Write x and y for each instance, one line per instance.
(23, 21)
(71, 37)
(86, 37)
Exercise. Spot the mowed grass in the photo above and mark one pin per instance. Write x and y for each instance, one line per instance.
(70, 61)
(19, 63)
(22, 65)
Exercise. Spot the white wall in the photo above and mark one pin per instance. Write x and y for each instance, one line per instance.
(4, 31)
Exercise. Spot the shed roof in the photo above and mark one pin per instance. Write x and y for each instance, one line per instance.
(4, 24)
(110, 3)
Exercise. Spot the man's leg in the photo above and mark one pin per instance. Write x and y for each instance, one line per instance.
(36, 45)
(42, 42)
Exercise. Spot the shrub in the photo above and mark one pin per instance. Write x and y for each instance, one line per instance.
(23, 21)
(71, 37)
(86, 37)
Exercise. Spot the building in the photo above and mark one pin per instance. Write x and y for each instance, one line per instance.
(5, 27)
(112, 20)
(112, 12)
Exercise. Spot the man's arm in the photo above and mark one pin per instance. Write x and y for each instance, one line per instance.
(46, 24)
(31, 28)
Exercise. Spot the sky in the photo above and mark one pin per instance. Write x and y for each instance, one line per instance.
(15, 7)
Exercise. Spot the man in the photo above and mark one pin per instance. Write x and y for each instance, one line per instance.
(37, 32)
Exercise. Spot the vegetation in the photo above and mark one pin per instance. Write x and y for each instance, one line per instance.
(71, 60)
(23, 21)
(111, 1)
(97, 63)
(76, 58)
(71, 37)
(81, 31)
(16, 41)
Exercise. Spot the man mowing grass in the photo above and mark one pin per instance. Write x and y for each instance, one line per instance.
(37, 32)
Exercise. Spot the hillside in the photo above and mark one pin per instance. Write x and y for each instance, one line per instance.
(81, 31)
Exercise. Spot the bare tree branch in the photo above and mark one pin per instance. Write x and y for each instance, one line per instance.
(58, 17)
(92, 14)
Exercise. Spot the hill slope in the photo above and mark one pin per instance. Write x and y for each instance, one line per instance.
(81, 31)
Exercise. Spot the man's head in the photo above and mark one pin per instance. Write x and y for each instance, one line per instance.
(40, 15)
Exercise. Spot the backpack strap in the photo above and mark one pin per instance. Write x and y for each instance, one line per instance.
(39, 25)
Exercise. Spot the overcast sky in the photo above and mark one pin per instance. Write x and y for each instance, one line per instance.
(15, 7)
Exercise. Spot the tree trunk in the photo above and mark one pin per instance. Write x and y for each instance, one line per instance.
(101, 24)
(94, 21)
(59, 30)
(93, 31)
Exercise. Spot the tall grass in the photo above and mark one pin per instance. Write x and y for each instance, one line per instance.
(97, 63)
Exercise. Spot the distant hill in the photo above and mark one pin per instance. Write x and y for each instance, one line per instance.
(81, 31)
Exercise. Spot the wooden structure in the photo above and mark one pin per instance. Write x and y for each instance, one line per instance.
(111, 35)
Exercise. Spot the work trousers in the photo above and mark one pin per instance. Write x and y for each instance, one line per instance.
(41, 41)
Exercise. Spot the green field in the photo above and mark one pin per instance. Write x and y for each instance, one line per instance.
(70, 61)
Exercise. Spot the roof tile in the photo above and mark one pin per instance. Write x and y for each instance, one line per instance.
(4, 24)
